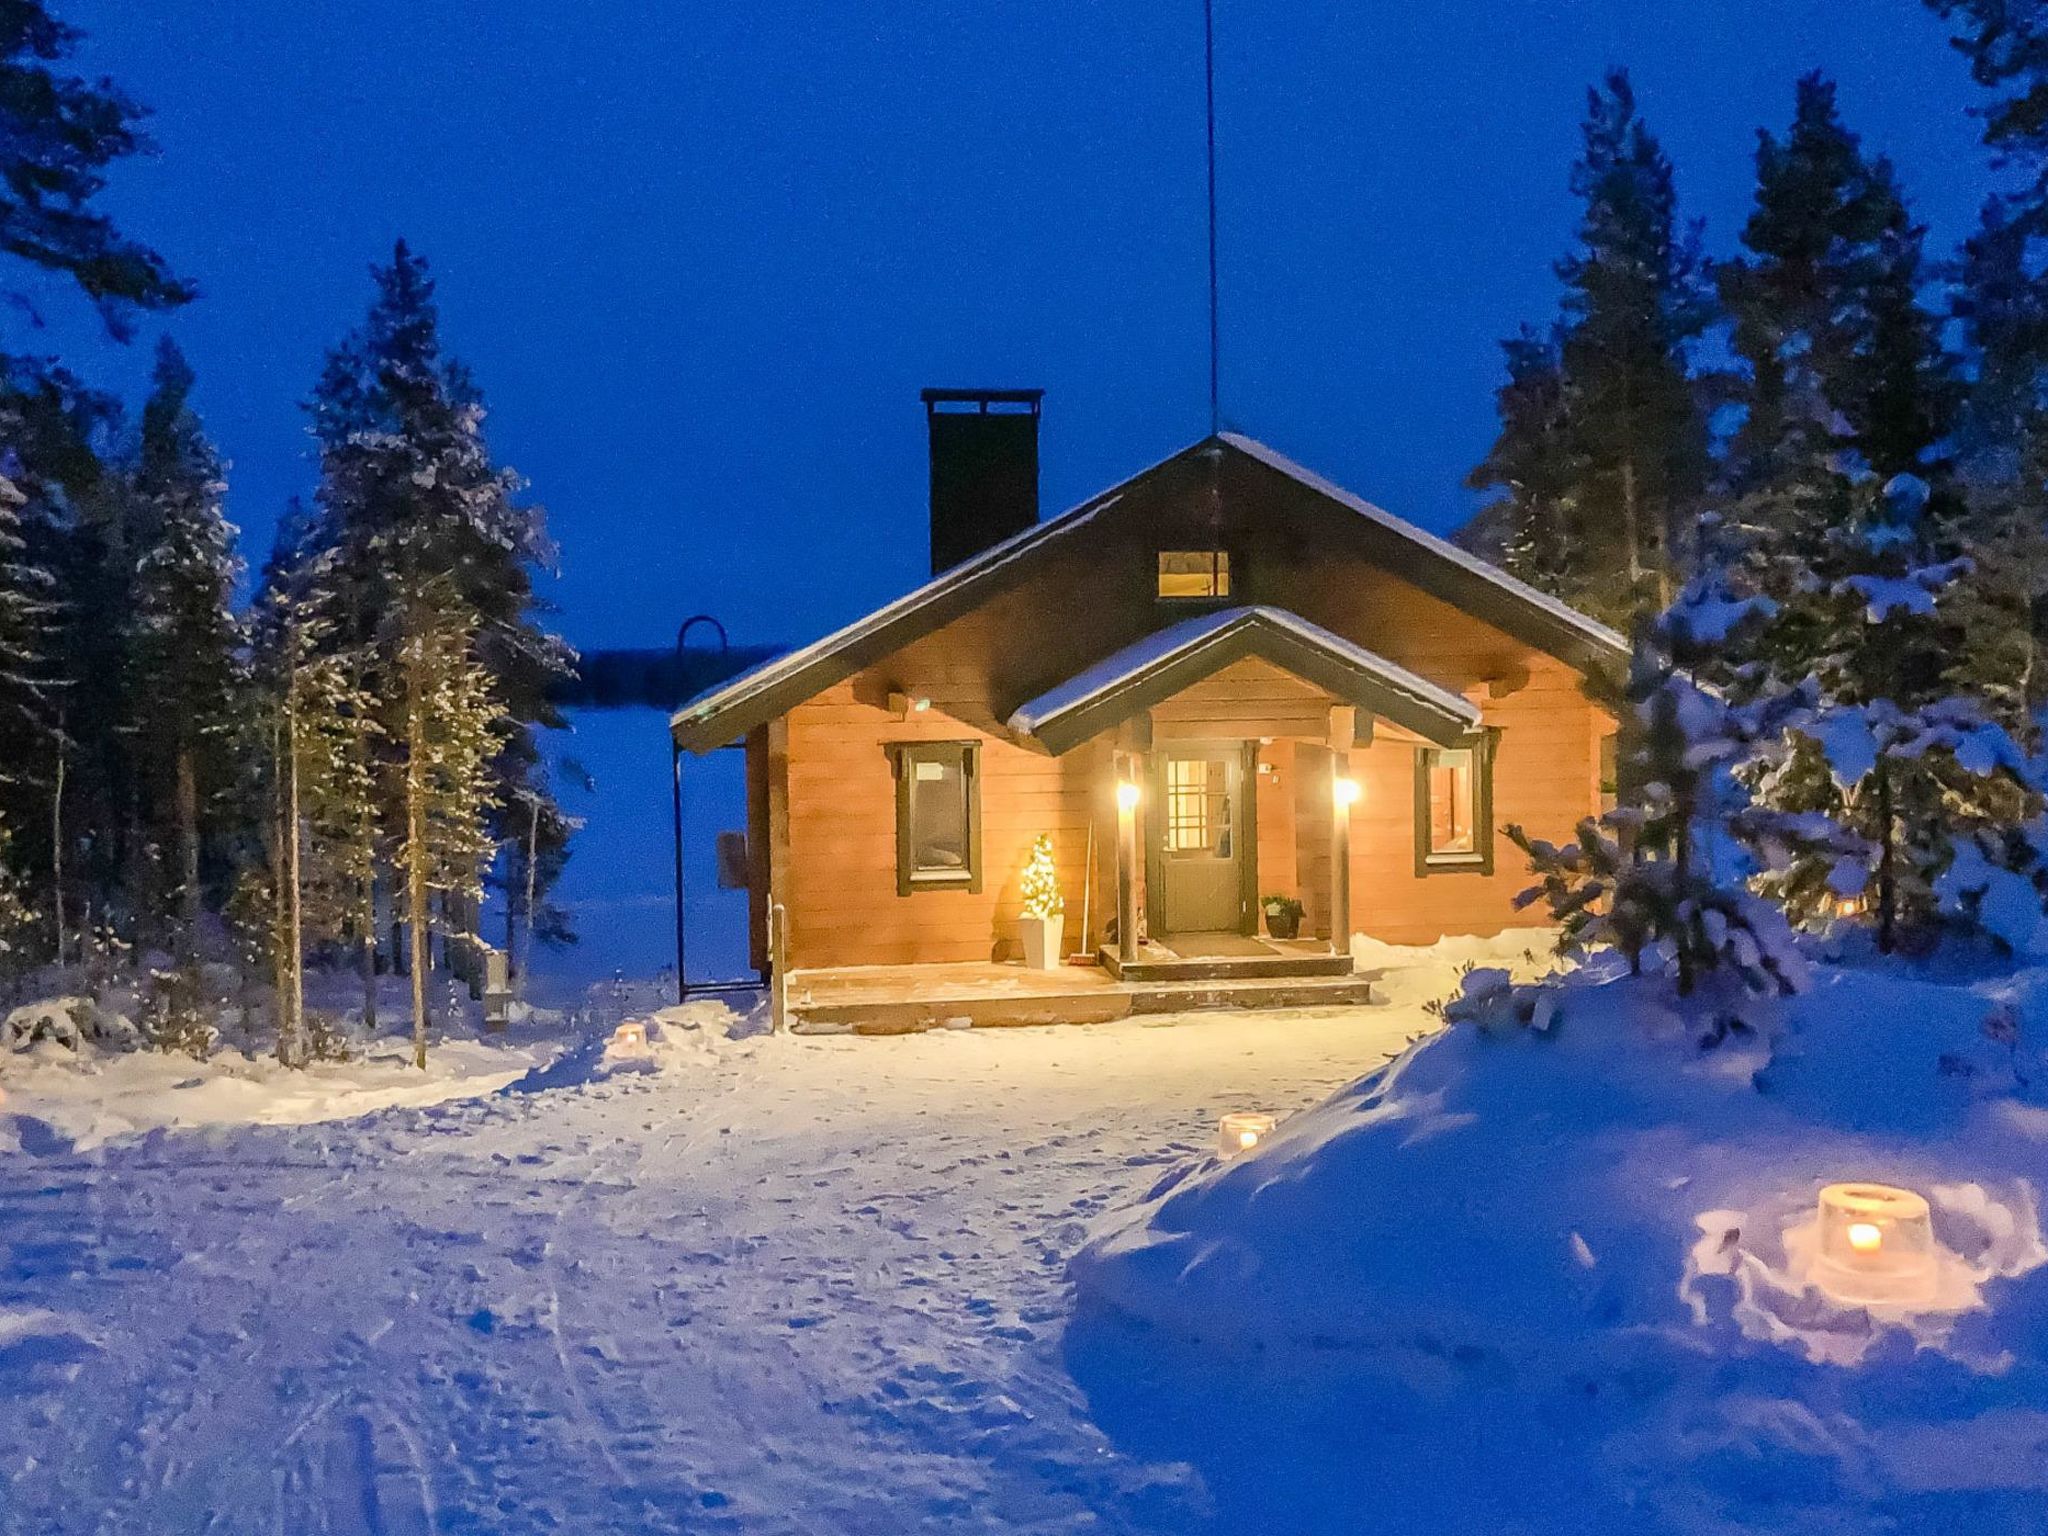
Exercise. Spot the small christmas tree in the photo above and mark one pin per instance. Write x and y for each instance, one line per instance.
(1041, 886)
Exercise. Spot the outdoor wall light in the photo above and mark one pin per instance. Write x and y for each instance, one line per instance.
(1876, 1245)
(1126, 795)
(1240, 1131)
(1346, 791)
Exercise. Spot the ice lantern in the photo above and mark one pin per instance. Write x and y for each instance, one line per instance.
(1876, 1245)
(1241, 1131)
(629, 1038)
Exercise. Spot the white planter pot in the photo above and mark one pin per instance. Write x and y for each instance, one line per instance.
(1042, 936)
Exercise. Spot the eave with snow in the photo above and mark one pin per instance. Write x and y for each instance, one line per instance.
(1221, 680)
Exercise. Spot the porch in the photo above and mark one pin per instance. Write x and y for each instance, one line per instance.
(906, 999)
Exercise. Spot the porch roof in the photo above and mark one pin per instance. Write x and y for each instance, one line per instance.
(1163, 663)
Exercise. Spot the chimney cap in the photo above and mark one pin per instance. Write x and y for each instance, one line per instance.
(982, 398)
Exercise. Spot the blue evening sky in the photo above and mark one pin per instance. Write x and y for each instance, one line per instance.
(702, 257)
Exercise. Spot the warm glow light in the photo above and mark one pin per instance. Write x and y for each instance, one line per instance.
(630, 1036)
(1346, 791)
(1242, 1130)
(1126, 795)
(1875, 1246)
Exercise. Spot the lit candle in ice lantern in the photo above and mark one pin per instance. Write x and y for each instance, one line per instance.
(1851, 906)
(1346, 791)
(630, 1036)
(1876, 1245)
(1242, 1130)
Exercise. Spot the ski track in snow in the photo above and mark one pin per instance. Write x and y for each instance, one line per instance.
(785, 1286)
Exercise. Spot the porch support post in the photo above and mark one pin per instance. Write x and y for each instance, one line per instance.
(1126, 792)
(1342, 791)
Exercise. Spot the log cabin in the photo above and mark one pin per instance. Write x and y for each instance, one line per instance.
(1222, 681)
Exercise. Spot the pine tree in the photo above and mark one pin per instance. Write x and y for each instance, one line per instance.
(320, 730)
(1039, 889)
(1606, 447)
(186, 638)
(1840, 355)
(449, 734)
(409, 492)
(62, 134)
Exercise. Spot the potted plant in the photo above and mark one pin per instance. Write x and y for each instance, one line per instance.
(1283, 916)
(1042, 924)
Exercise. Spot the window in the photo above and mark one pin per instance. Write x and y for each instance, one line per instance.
(1197, 807)
(938, 816)
(1194, 573)
(1610, 772)
(1454, 807)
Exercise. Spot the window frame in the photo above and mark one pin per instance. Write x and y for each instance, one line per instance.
(966, 757)
(1221, 577)
(1481, 744)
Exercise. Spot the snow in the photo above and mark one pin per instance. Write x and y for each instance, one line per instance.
(1584, 1247)
(777, 1284)
(87, 1096)
(1195, 633)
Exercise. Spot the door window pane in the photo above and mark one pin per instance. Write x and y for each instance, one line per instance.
(1197, 807)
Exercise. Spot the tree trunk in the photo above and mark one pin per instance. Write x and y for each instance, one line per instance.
(416, 894)
(1887, 868)
(57, 845)
(369, 956)
(188, 844)
(292, 1020)
(532, 890)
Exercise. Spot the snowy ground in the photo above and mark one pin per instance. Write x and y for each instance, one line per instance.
(780, 1285)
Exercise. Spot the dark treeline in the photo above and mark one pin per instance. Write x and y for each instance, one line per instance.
(334, 770)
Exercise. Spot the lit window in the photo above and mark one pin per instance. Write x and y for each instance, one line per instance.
(1610, 772)
(1194, 573)
(1451, 807)
(1454, 807)
(938, 816)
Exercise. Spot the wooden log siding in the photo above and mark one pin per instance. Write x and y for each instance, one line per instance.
(843, 905)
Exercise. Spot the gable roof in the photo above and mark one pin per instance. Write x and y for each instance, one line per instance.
(1436, 566)
(1160, 665)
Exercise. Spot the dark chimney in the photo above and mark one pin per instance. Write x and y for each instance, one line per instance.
(984, 468)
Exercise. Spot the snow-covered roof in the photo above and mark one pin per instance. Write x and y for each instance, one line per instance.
(727, 712)
(1168, 660)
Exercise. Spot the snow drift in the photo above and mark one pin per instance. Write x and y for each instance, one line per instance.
(1514, 1230)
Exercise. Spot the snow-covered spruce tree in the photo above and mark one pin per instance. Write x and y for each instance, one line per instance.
(450, 735)
(1647, 877)
(1604, 451)
(186, 640)
(17, 915)
(408, 484)
(1039, 888)
(1891, 753)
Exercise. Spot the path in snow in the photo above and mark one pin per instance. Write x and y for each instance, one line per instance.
(792, 1286)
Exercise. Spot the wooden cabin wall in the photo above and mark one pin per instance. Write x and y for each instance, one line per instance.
(841, 877)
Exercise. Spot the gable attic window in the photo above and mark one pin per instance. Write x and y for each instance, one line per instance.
(1194, 573)
(1454, 807)
(938, 815)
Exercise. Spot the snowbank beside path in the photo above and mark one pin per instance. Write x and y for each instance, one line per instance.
(1579, 1249)
(87, 1096)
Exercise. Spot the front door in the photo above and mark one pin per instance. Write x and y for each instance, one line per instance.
(1201, 840)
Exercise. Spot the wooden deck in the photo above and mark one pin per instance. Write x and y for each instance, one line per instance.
(904, 999)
